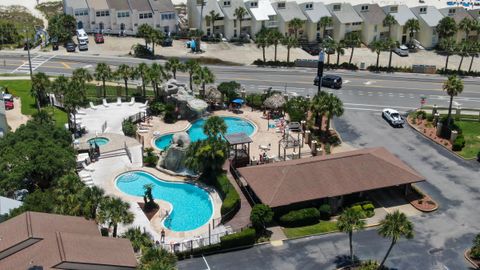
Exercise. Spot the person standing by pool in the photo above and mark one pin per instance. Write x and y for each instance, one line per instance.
(162, 236)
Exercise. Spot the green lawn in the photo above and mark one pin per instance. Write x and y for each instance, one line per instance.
(21, 88)
(321, 227)
(471, 132)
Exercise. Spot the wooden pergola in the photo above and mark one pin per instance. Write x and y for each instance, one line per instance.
(241, 156)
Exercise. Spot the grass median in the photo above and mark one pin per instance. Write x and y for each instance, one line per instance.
(321, 227)
(471, 133)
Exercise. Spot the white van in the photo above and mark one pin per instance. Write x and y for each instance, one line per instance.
(82, 36)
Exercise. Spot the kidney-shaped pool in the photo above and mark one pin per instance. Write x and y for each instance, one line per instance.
(192, 205)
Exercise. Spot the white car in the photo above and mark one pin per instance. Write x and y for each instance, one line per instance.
(393, 117)
(402, 50)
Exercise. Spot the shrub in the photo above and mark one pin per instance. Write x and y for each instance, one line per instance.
(169, 116)
(231, 199)
(478, 156)
(328, 148)
(430, 118)
(243, 238)
(260, 62)
(334, 140)
(150, 159)
(325, 211)
(156, 108)
(129, 128)
(141, 51)
(459, 143)
(421, 114)
(255, 100)
(303, 217)
(369, 265)
(369, 209)
(359, 209)
(261, 215)
(475, 253)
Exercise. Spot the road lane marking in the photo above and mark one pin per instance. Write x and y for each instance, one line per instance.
(66, 65)
(371, 105)
(206, 263)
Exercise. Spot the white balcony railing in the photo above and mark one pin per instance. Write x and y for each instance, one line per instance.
(271, 24)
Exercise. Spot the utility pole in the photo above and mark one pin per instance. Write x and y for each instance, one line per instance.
(28, 51)
(321, 58)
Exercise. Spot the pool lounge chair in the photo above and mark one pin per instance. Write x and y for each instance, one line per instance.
(144, 105)
(132, 101)
(105, 103)
(81, 112)
(119, 101)
(93, 107)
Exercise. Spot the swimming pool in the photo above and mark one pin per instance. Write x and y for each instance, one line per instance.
(192, 206)
(99, 140)
(234, 125)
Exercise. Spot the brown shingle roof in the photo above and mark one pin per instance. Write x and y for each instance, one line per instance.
(34, 238)
(118, 4)
(140, 5)
(300, 180)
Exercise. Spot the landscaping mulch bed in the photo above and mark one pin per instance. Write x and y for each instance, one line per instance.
(429, 131)
(423, 203)
(150, 213)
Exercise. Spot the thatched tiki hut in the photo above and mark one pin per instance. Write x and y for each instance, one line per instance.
(275, 102)
(212, 95)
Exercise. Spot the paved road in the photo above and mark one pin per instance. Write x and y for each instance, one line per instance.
(362, 90)
(440, 237)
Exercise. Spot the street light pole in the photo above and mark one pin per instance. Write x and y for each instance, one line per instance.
(28, 50)
(321, 58)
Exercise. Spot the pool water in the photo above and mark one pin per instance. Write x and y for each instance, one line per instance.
(192, 205)
(99, 140)
(234, 125)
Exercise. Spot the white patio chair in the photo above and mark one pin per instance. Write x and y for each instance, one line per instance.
(144, 105)
(119, 101)
(93, 107)
(105, 103)
(132, 101)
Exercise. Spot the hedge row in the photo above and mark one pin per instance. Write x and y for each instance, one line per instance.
(458, 143)
(246, 237)
(231, 199)
(302, 217)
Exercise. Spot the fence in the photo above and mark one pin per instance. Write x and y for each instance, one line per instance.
(458, 113)
(138, 117)
(202, 241)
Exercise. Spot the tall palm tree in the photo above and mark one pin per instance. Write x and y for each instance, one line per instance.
(156, 37)
(213, 17)
(473, 52)
(395, 226)
(413, 26)
(93, 197)
(324, 23)
(317, 107)
(155, 258)
(261, 39)
(59, 86)
(82, 75)
(172, 65)
(156, 74)
(202, 6)
(389, 21)
(113, 211)
(140, 72)
(190, 67)
(144, 31)
(139, 239)
(40, 86)
(329, 47)
(74, 97)
(448, 46)
(214, 127)
(390, 44)
(203, 76)
(103, 72)
(466, 25)
(274, 37)
(446, 28)
(352, 40)
(377, 47)
(349, 221)
(453, 86)
(339, 50)
(333, 107)
(124, 72)
(240, 13)
(462, 49)
(289, 42)
(295, 24)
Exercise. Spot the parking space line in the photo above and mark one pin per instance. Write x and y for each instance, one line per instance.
(206, 263)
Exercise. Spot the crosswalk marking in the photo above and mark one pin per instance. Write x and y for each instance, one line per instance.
(37, 61)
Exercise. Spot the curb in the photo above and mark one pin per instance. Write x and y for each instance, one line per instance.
(465, 254)
(424, 193)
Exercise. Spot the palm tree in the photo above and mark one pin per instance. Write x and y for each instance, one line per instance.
(144, 31)
(124, 72)
(446, 28)
(214, 126)
(59, 86)
(333, 107)
(349, 221)
(139, 239)
(93, 197)
(462, 49)
(213, 17)
(474, 50)
(201, 17)
(377, 47)
(289, 42)
(391, 45)
(240, 13)
(389, 21)
(329, 47)
(82, 76)
(156, 74)
(466, 25)
(413, 26)
(155, 258)
(395, 226)
(102, 73)
(352, 40)
(114, 211)
(202, 76)
(190, 66)
(324, 23)
(156, 37)
(274, 37)
(262, 41)
(317, 107)
(172, 65)
(339, 50)
(448, 46)
(40, 85)
(141, 72)
(453, 86)
(295, 24)
(74, 97)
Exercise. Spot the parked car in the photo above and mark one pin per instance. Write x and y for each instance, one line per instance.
(8, 100)
(54, 41)
(393, 117)
(99, 38)
(70, 46)
(332, 81)
(82, 36)
(402, 50)
(167, 42)
(82, 45)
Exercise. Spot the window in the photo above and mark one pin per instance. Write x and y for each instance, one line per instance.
(375, 28)
(364, 8)
(357, 23)
(226, 3)
(318, 26)
(451, 11)
(423, 10)
(253, 4)
(123, 14)
(309, 6)
(81, 12)
(199, 2)
(145, 15)
(281, 4)
(336, 7)
(394, 9)
(168, 16)
(103, 13)
(166, 29)
(234, 23)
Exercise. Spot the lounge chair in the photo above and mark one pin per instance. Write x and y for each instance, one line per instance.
(81, 112)
(93, 107)
(144, 105)
(85, 167)
(119, 101)
(105, 103)
(132, 101)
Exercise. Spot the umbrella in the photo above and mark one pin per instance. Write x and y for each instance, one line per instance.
(275, 101)
(238, 101)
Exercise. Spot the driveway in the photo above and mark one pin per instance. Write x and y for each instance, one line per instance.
(440, 237)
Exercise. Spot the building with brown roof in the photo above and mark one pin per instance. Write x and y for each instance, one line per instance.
(60, 242)
(326, 178)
